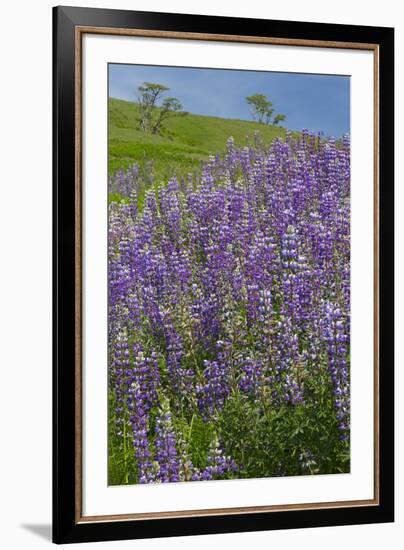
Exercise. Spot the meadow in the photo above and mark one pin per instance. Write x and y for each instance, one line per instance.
(229, 301)
(185, 142)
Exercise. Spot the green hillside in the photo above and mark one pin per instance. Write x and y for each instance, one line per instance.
(185, 142)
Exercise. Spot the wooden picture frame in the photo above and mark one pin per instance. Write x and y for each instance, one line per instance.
(69, 522)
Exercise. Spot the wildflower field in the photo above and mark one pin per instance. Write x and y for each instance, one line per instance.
(229, 316)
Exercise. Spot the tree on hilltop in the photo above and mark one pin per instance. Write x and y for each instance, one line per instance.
(262, 109)
(154, 110)
(278, 119)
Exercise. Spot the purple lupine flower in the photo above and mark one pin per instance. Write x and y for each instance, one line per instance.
(212, 393)
(251, 380)
(253, 253)
(337, 341)
(140, 441)
(146, 374)
(166, 454)
(217, 463)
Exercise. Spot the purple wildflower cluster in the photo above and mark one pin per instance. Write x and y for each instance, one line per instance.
(231, 285)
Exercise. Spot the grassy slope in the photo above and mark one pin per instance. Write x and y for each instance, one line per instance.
(186, 141)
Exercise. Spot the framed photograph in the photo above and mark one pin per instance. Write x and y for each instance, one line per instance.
(223, 275)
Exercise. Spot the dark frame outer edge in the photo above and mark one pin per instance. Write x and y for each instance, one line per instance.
(65, 530)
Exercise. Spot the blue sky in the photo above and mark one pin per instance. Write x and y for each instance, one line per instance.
(315, 102)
